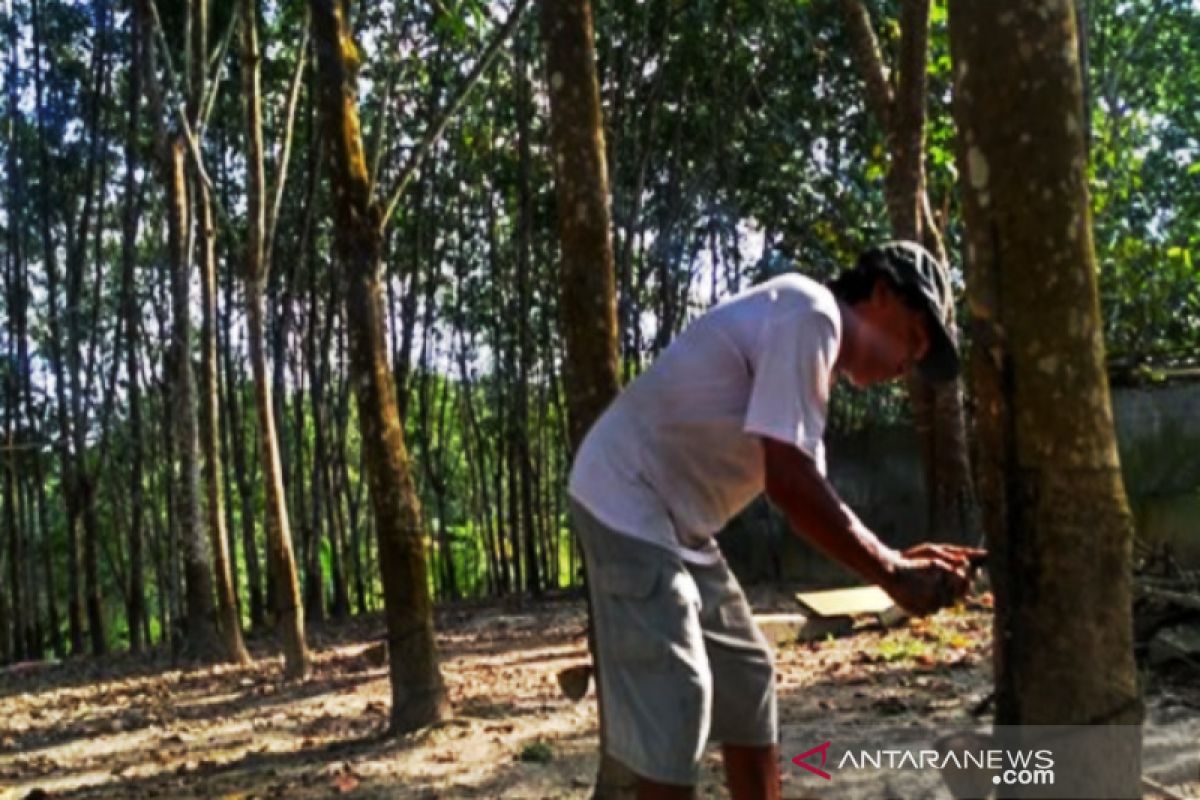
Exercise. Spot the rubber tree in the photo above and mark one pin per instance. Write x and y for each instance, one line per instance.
(586, 271)
(1058, 523)
(210, 422)
(898, 107)
(289, 617)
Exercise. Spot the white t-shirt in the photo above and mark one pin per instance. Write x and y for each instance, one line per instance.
(678, 453)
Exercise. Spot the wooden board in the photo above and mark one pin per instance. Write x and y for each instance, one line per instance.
(851, 602)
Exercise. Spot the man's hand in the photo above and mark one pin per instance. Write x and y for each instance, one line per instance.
(927, 577)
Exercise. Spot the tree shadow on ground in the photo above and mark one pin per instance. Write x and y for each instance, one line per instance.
(130, 708)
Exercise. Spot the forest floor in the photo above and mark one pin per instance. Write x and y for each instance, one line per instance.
(124, 727)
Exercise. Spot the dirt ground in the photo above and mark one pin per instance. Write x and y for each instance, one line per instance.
(142, 728)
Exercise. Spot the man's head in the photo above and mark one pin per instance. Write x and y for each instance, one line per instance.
(901, 315)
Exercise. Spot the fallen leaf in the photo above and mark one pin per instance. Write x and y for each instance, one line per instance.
(345, 783)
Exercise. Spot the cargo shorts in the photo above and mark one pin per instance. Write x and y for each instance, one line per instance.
(679, 658)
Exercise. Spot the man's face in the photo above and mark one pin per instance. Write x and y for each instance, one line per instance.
(891, 337)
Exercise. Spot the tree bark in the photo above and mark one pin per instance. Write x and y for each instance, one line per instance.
(15, 295)
(937, 409)
(587, 303)
(210, 432)
(418, 692)
(135, 600)
(202, 634)
(245, 491)
(50, 260)
(524, 472)
(1059, 526)
(289, 616)
(227, 610)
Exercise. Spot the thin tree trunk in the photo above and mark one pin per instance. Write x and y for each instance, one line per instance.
(314, 599)
(953, 513)
(202, 634)
(587, 304)
(50, 260)
(94, 186)
(15, 376)
(289, 618)
(55, 625)
(533, 575)
(237, 427)
(418, 692)
(230, 624)
(135, 601)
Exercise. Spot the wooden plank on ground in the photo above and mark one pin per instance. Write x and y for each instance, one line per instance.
(853, 602)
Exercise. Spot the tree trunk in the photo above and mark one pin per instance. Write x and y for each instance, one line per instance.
(210, 431)
(227, 610)
(56, 642)
(937, 409)
(418, 693)
(15, 284)
(203, 640)
(237, 427)
(135, 601)
(588, 308)
(1058, 523)
(50, 259)
(314, 599)
(533, 575)
(289, 617)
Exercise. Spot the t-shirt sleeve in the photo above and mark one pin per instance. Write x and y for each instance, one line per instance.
(792, 369)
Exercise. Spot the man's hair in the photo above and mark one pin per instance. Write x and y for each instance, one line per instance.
(855, 285)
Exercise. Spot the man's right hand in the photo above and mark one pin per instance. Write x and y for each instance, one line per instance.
(928, 577)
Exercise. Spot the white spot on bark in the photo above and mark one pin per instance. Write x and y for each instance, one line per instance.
(978, 166)
(1048, 364)
(581, 211)
(1007, 18)
(556, 81)
(1072, 124)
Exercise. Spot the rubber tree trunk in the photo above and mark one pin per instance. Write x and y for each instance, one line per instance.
(1058, 523)
(289, 617)
(210, 431)
(202, 637)
(135, 592)
(418, 692)
(899, 108)
(587, 300)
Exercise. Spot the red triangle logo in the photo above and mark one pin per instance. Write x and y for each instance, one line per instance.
(823, 749)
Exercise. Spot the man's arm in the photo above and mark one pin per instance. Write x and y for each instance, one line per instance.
(921, 580)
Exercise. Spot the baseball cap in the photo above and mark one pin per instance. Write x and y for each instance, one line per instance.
(914, 267)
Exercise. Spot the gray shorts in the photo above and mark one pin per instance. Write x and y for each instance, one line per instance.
(680, 659)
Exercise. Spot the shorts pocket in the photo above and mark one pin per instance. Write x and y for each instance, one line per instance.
(632, 608)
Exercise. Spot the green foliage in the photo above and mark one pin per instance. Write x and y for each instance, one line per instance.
(1144, 154)
(538, 752)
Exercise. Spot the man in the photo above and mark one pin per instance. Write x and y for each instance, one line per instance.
(735, 406)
